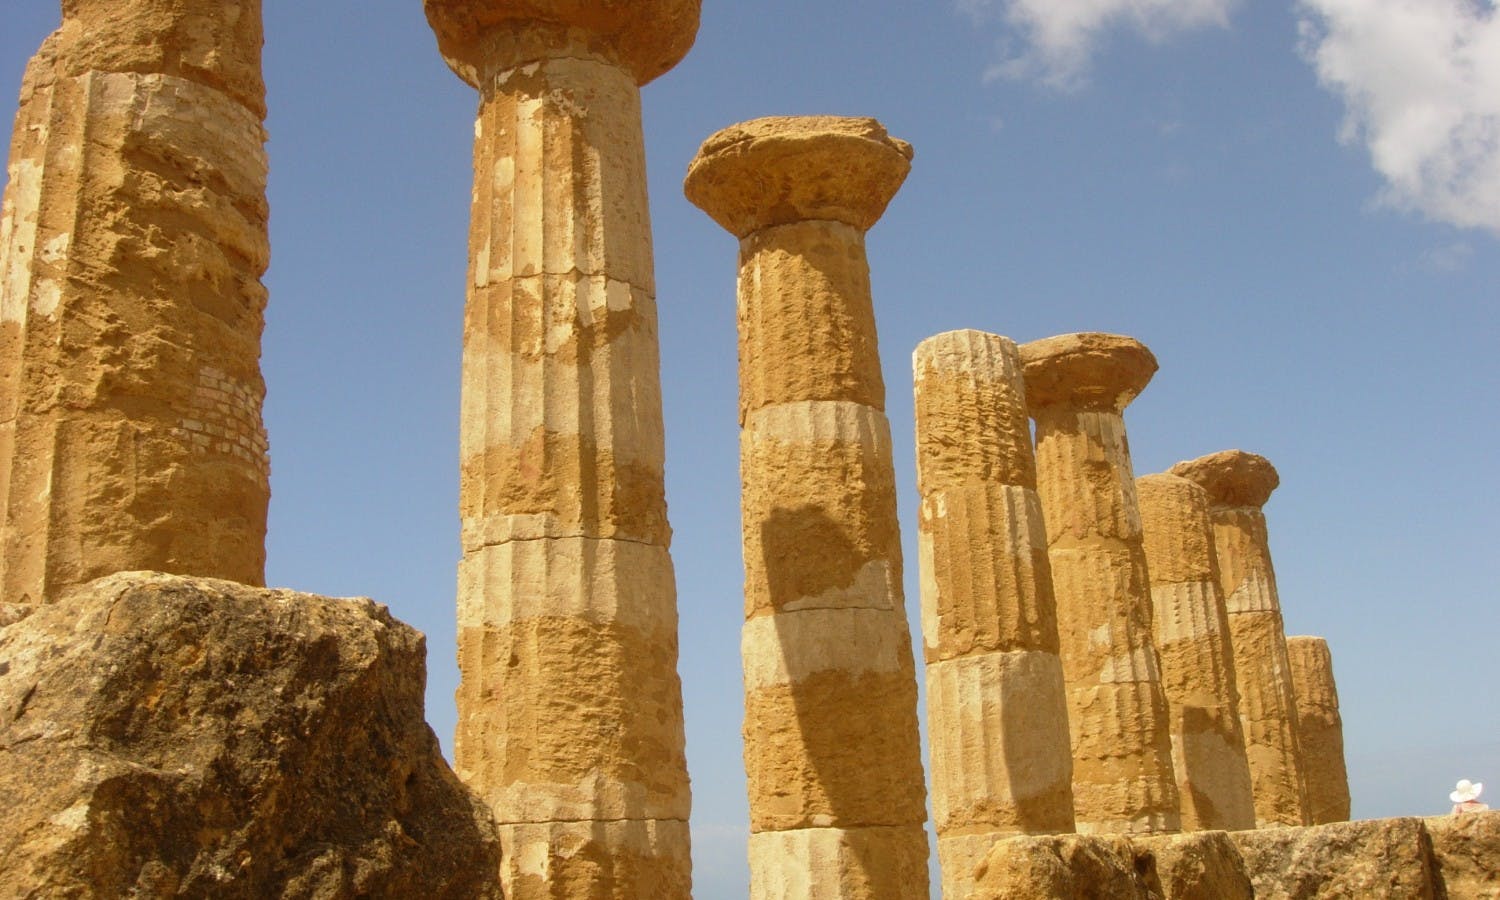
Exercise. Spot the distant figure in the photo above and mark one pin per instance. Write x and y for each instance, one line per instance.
(1465, 797)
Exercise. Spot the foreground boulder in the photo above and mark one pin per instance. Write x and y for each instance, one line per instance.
(174, 737)
(1386, 858)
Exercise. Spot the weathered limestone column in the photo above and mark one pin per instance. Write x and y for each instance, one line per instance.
(837, 800)
(132, 242)
(1077, 387)
(1238, 484)
(1191, 628)
(1320, 730)
(570, 707)
(997, 711)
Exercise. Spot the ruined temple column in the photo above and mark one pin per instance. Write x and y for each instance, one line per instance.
(1238, 484)
(1191, 628)
(132, 242)
(997, 713)
(570, 708)
(837, 801)
(1320, 730)
(1077, 387)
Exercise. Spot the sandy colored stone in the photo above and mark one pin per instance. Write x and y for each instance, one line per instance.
(1237, 484)
(624, 860)
(1466, 850)
(1204, 865)
(996, 711)
(1191, 629)
(1386, 858)
(831, 742)
(1065, 866)
(1077, 388)
(482, 38)
(164, 736)
(570, 710)
(1320, 730)
(790, 170)
(838, 863)
(135, 213)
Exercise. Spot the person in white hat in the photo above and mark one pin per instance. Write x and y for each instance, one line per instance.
(1465, 797)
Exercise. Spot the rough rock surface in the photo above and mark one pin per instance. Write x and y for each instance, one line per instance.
(1204, 865)
(1320, 729)
(1467, 851)
(171, 737)
(1386, 858)
(1075, 867)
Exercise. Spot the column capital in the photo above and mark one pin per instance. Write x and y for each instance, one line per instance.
(1088, 370)
(1232, 477)
(785, 169)
(480, 38)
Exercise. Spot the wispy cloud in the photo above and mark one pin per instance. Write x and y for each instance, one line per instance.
(1060, 36)
(1420, 80)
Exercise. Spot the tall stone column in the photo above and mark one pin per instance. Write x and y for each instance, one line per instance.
(997, 712)
(132, 243)
(570, 707)
(1320, 730)
(1077, 387)
(1191, 628)
(1238, 484)
(837, 801)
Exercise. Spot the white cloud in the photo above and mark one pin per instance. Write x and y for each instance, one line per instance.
(1420, 80)
(1061, 35)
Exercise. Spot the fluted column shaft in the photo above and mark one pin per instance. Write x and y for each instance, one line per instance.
(1320, 730)
(133, 238)
(997, 712)
(831, 745)
(1238, 484)
(1191, 627)
(1077, 387)
(570, 709)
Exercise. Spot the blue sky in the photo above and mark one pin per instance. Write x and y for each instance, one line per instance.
(1294, 204)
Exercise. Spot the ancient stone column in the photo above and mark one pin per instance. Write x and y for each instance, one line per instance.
(1191, 628)
(570, 707)
(1077, 387)
(132, 243)
(1238, 484)
(837, 801)
(997, 713)
(1320, 730)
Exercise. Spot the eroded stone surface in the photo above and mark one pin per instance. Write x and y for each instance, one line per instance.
(1077, 387)
(135, 213)
(570, 710)
(1320, 730)
(164, 736)
(1237, 483)
(1191, 627)
(1467, 852)
(1001, 761)
(1084, 866)
(837, 799)
(1204, 865)
(1387, 858)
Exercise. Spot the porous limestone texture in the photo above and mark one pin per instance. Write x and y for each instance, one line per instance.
(1065, 866)
(1320, 730)
(1203, 865)
(132, 243)
(570, 706)
(1386, 858)
(997, 711)
(1191, 627)
(1466, 849)
(837, 800)
(164, 736)
(1077, 388)
(1238, 485)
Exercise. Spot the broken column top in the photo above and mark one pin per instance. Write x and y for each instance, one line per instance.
(785, 169)
(1090, 370)
(479, 38)
(1232, 477)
